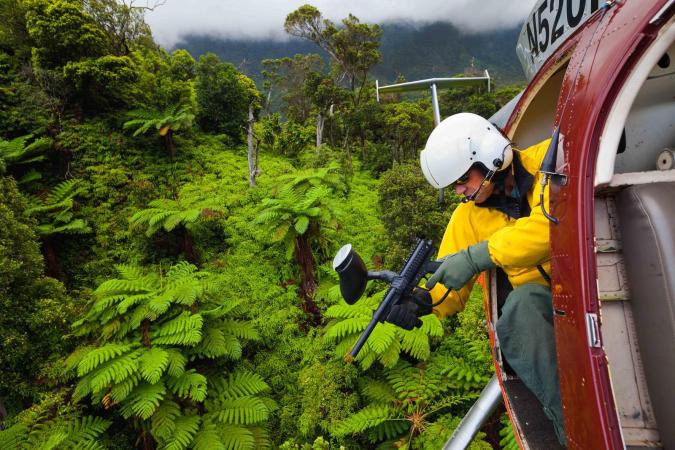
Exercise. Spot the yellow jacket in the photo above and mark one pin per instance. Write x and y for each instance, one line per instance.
(518, 246)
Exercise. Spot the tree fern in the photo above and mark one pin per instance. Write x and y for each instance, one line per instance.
(167, 214)
(148, 365)
(369, 417)
(164, 123)
(386, 342)
(19, 151)
(54, 211)
(409, 399)
(50, 425)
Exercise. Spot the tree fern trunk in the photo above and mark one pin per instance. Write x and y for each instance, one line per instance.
(52, 264)
(189, 247)
(169, 144)
(305, 260)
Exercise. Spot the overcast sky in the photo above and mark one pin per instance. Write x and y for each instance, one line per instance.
(262, 19)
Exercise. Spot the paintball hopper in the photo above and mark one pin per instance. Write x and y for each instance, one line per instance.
(352, 272)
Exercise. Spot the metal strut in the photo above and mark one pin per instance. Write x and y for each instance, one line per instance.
(474, 419)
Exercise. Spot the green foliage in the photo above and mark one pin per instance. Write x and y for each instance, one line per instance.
(102, 83)
(407, 127)
(35, 308)
(476, 100)
(293, 76)
(55, 210)
(353, 48)
(18, 152)
(412, 398)
(507, 437)
(162, 355)
(387, 341)
(409, 209)
(223, 96)
(165, 123)
(154, 329)
(190, 207)
(300, 207)
(62, 32)
(46, 426)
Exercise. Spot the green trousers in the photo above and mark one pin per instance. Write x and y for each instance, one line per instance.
(525, 332)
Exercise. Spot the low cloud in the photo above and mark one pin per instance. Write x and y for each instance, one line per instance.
(264, 19)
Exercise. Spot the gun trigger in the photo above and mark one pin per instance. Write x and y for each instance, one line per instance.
(398, 283)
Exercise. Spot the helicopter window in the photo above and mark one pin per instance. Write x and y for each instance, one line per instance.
(643, 117)
(534, 125)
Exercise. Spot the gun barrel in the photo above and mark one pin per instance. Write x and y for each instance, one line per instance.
(377, 317)
(411, 274)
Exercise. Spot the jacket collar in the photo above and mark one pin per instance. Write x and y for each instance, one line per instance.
(512, 206)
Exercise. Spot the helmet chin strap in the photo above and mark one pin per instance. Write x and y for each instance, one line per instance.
(487, 179)
(497, 164)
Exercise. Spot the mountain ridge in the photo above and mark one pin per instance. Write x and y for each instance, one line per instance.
(413, 51)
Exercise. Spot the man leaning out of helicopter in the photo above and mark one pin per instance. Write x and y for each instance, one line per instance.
(498, 224)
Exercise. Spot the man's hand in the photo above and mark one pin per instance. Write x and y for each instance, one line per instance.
(457, 269)
(406, 313)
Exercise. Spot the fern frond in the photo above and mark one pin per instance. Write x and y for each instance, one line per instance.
(121, 391)
(186, 329)
(83, 431)
(101, 355)
(216, 343)
(177, 363)
(382, 337)
(377, 391)
(186, 427)
(237, 437)
(242, 411)
(143, 401)
(115, 370)
(164, 419)
(189, 385)
(208, 438)
(369, 417)
(152, 363)
(241, 329)
(240, 383)
(347, 327)
(345, 311)
(415, 343)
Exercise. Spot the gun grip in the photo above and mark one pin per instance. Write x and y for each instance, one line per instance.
(432, 266)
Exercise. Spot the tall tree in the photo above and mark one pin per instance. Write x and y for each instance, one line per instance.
(291, 75)
(353, 47)
(223, 100)
(122, 21)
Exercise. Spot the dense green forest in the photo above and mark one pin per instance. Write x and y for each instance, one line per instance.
(166, 239)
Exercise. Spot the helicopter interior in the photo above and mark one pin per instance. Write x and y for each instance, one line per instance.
(635, 246)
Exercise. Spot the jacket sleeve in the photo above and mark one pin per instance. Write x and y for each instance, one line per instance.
(458, 235)
(527, 242)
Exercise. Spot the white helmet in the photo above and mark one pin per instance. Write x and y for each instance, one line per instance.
(460, 141)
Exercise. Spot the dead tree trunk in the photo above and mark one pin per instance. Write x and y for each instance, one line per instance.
(319, 129)
(252, 157)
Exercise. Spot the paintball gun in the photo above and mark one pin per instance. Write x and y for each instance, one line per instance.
(354, 276)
